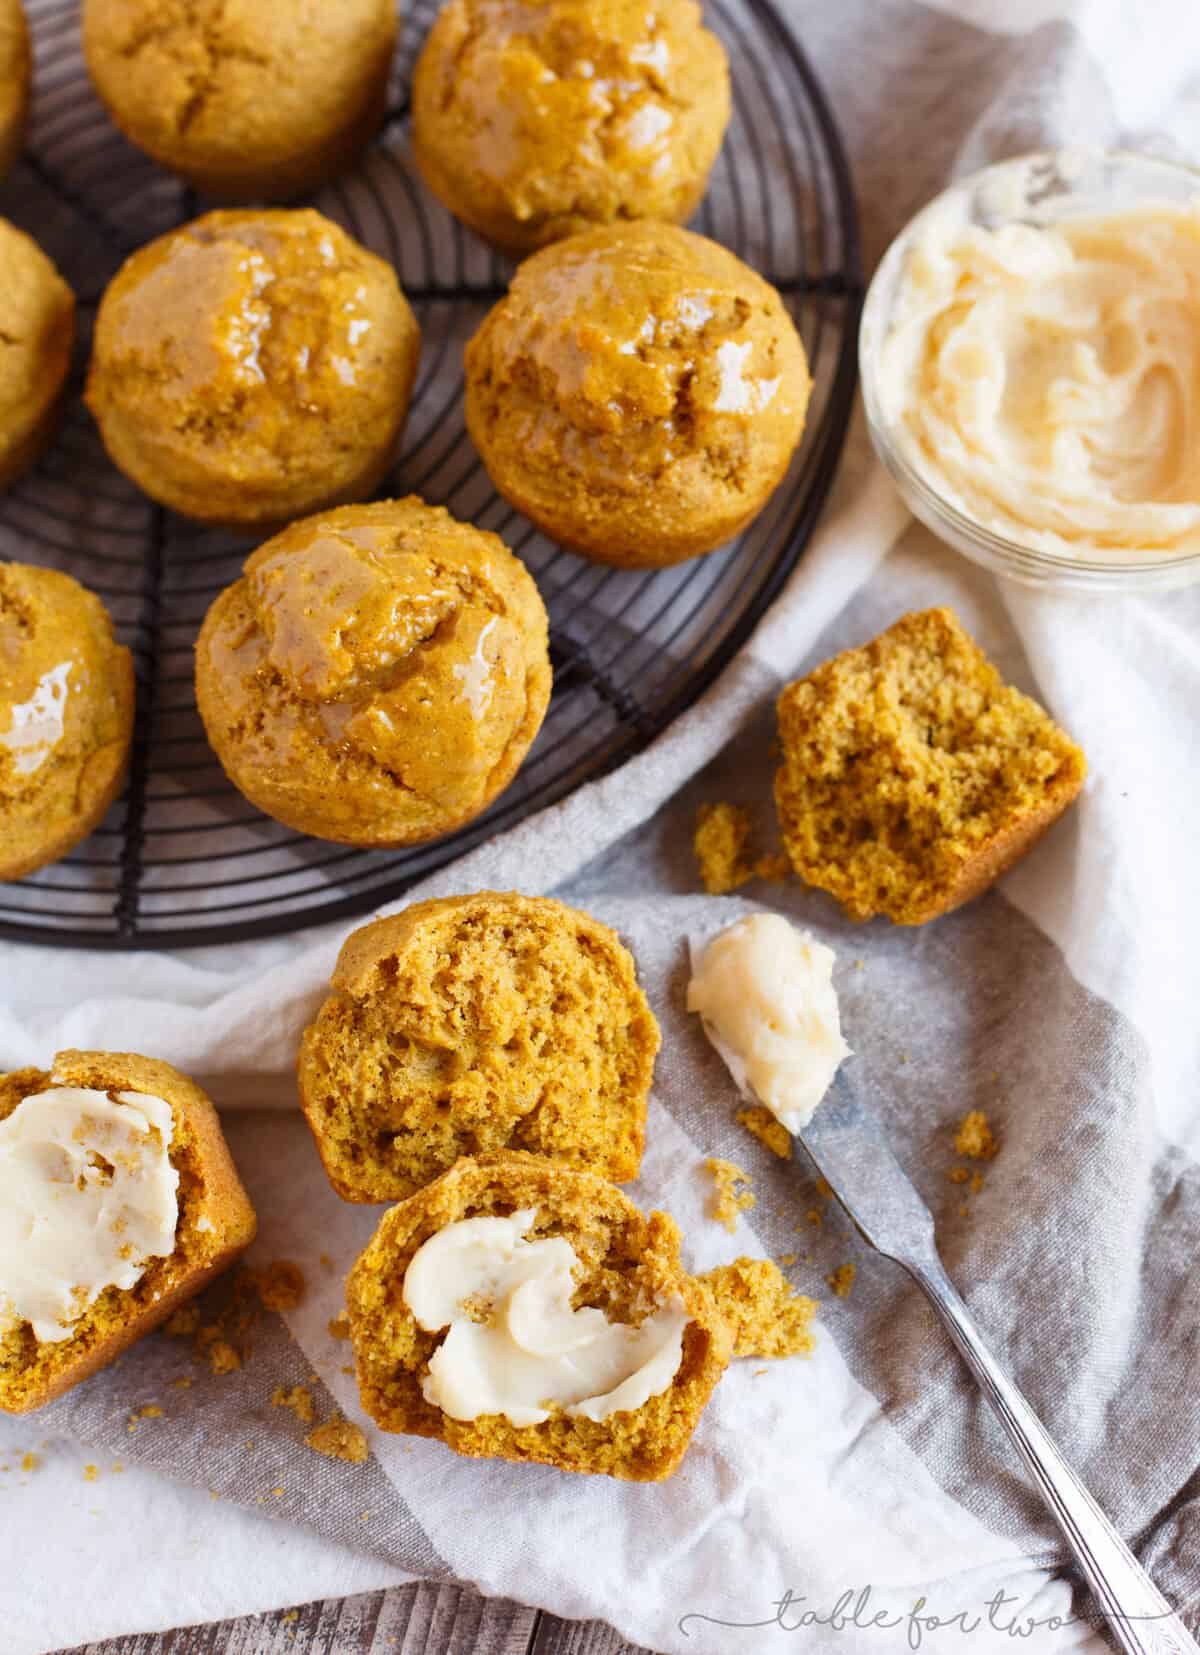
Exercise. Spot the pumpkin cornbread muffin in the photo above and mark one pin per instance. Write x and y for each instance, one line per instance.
(581, 1246)
(16, 74)
(253, 366)
(37, 331)
(476, 1023)
(120, 1201)
(638, 393)
(532, 122)
(377, 674)
(912, 776)
(66, 715)
(244, 100)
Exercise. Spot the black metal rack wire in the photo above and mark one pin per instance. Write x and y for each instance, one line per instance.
(182, 859)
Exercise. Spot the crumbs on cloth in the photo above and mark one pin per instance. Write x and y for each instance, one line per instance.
(727, 1199)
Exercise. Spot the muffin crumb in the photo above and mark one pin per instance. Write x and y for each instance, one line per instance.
(298, 1398)
(719, 843)
(727, 1200)
(841, 1280)
(280, 1286)
(769, 1131)
(339, 1327)
(339, 1439)
(767, 1316)
(974, 1137)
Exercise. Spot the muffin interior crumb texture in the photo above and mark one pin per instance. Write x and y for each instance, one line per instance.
(974, 1137)
(767, 1316)
(472, 1024)
(721, 843)
(912, 775)
(768, 1129)
(728, 1199)
(339, 1439)
(628, 1265)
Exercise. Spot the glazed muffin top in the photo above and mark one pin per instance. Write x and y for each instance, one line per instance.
(37, 331)
(377, 673)
(66, 713)
(249, 361)
(536, 121)
(233, 88)
(637, 385)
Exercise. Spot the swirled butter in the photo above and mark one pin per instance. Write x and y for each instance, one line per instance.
(764, 991)
(1044, 379)
(88, 1196)
(515, 1345)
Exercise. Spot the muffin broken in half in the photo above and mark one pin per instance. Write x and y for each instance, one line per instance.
(118, 1201)
(476, 1023)
(912, 775)
(522, 1311)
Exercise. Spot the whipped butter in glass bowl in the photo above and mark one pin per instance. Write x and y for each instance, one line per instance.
(1030, 356)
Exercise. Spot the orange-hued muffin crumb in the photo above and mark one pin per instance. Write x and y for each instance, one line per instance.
(377, 674)
(912, 775)
(532, 122)
(66, 715)
(251, 367)
(16, 74)
(974, 1137)
(244, 99)
(638, 393)
(477, 1023)
(768, 1129)
(728, 1200)
(340, 1439)
(767, 1316)
(216, 1223)
(37, 332)
(629, 1264)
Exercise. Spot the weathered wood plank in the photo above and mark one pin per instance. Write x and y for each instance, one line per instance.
(555, 1637)
(423, 1619)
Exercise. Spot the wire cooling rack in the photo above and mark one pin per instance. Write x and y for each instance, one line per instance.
(182, 858)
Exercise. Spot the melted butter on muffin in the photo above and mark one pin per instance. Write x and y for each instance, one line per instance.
(377, 674)
(532, 122)
(253, 366)
(638, 393)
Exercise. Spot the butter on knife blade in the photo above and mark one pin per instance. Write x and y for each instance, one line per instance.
(764, 991)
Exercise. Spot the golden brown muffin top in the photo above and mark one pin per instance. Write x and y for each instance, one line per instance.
(37, 330)
(220, 77)
(242, 346)
(634, 346)
(376, 663)
(15, 61)
(555, 116)
(61, 701)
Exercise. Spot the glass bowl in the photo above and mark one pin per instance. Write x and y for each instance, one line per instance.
(1039, 189)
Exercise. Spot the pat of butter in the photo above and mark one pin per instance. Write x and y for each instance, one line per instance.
(765, 993)
(529, 1352)
(88, 1196)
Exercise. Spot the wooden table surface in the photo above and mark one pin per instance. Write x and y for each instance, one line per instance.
(407, 1620)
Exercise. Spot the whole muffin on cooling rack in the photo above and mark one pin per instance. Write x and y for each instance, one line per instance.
(377, 674)
(252, 367)
(16, 72)
(66, 715)
(534, 122)
(37, 331)
(245, 100)
(638, 393)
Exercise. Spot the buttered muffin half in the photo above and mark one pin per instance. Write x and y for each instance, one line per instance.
(377, 675)
(245, 100)
(638, 393)
(522, 1310)
(66, 715)
(534, 122)
(252, 367)
(475, 1023)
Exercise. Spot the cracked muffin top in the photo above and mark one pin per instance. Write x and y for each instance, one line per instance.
(532, 122)
(253, 366)
(377, 674)
(246, 100)
(37, 331)
(66, 715)
(638, 393)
